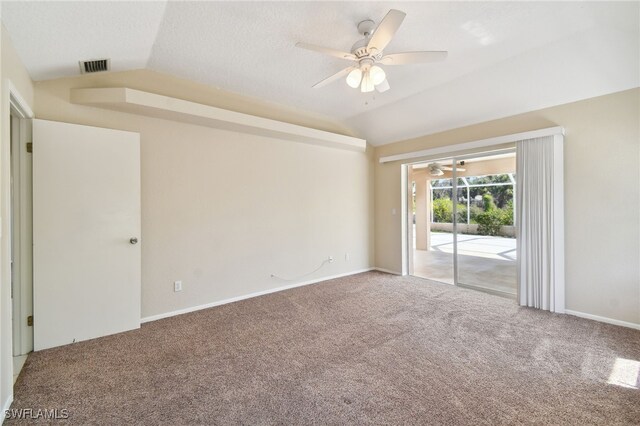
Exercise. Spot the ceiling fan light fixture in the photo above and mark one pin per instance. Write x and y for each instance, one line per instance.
(354, 78)
(377, 75)
(367, 83)
(435, 170)
(368, 51)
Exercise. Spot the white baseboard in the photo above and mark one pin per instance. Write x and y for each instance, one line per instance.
(248, 296)
(603, 319)
(6, 407)
(388, 271)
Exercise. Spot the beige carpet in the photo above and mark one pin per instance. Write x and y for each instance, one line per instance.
(367, 349)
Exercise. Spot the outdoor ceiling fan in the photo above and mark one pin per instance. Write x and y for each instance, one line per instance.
(436, 169)
(368, 52)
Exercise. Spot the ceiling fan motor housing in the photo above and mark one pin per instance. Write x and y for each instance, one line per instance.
(365, 64)
(359, 48)
(366, 27)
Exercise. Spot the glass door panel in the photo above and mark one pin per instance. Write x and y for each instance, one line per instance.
(433, 221)
(485, 233)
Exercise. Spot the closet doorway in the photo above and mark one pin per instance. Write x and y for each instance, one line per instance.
(462, 229)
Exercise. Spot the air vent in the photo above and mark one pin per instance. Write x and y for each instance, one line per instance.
(97, 65)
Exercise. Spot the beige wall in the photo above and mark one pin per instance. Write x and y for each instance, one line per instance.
(602, 197)
(222, 211)
(11, 70)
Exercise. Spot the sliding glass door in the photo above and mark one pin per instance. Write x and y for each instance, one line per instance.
(484, 230)
(463, 229)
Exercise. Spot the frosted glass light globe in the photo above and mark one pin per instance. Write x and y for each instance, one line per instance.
(377, 75)
(354, 78)
(367, 83)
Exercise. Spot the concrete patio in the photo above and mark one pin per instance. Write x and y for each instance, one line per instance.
(484, 261)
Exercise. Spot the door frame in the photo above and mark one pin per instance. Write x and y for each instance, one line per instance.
(19, 221)
(407, 228)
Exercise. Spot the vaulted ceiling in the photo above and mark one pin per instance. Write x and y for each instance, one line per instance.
(504, 58)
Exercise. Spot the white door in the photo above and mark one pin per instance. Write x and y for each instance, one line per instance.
(86, 220)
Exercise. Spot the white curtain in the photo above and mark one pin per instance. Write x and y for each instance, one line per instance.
(540, 223)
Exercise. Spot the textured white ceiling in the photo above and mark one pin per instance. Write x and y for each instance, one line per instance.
(504, 57)
(51, 37)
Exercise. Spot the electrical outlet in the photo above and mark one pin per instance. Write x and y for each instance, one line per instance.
(347, 256)
(177, 286)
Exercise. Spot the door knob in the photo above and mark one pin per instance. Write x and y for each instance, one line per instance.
(133, 240)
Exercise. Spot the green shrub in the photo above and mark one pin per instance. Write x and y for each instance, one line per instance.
(489, 218)
(442, 210)
(508, 213)
(490, 221)
(462, 213)
(475, 211)
(487, 202)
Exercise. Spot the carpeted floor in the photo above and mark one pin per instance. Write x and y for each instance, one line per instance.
(367, 349)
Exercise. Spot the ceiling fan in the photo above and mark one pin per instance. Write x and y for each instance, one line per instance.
(436, 169)
(368, 52)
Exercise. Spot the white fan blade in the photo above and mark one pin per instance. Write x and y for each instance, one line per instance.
(383, 87)
(413, 57)
(386, 30)
(449, 169)
(327, 51)
(333, 78)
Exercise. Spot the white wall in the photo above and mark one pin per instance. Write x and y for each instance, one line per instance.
(222, 211)
(602, 197)
(11, 70)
